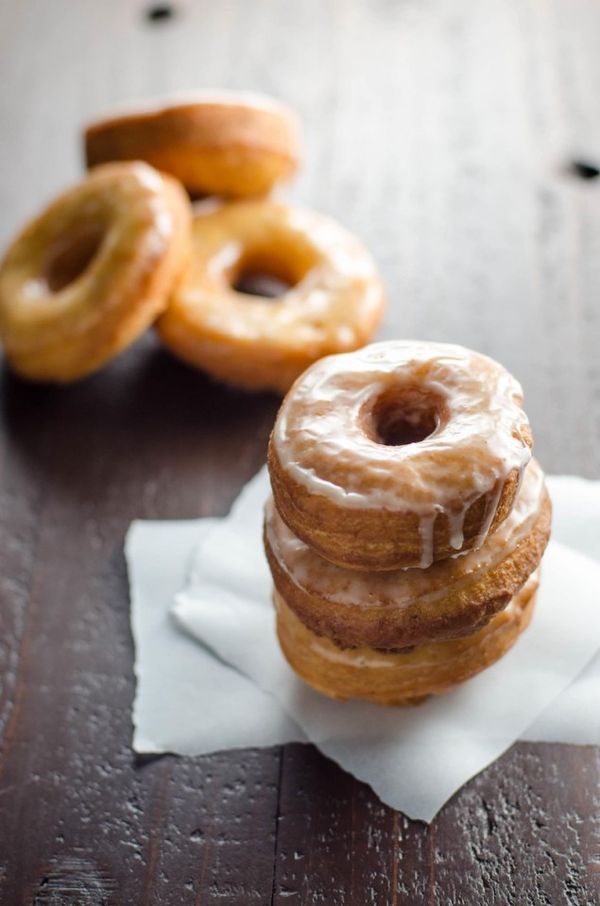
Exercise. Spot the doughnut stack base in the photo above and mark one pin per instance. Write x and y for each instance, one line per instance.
(403, 677)
(357, 624)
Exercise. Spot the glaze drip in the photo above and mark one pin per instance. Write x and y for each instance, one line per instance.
(401, 588)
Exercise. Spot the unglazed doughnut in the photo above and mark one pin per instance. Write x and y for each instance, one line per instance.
(401, 608)
(404, 678)
(93, 271)
(225, 143)
(399, 454)
(334, 302)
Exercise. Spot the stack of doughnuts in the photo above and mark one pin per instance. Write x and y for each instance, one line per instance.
(124, 249)
(407, 522)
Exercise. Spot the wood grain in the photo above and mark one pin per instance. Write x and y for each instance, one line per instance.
(441, 133)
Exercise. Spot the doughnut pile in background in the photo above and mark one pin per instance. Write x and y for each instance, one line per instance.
(407, 522)
(124, 249)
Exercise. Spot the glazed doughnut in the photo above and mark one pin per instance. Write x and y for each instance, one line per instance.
(92, 272)
(405, 678)
(334, 302)
(399, 455)
(396, 609)
(219, 143)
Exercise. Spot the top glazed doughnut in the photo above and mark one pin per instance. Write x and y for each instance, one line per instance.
(399, 454)
(217, 143)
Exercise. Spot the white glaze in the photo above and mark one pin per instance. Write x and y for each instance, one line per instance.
(321, 443)
(426, 524)
(402, 588)
(147, 176)
(159, 225)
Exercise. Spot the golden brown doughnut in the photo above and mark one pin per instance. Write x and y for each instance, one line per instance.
(401, 678)
(219, 143)
(92, 271)
(399, 454)
(397, 609)
(334, 302)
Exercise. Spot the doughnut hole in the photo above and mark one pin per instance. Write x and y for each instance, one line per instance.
(269, 273)
(402, 416)
(257, 283)
(71, 255)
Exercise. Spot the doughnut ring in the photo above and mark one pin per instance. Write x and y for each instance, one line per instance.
(399, 454)
(334, 302)
(402, 608)
(224, 143)
(406, 678)
(92, 271)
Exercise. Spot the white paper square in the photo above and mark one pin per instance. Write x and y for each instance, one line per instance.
(413, 758)
(187, 701)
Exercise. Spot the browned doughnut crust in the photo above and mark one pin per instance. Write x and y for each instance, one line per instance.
(469, 604)
(226, 144)
(374, 539)
(403, 678)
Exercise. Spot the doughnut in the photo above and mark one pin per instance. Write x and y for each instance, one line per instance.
(406, 607)
(399, 454)
(225, 143)
(400, 678)
(334, 301)
(92, 271)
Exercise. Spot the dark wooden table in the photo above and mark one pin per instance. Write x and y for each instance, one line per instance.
(441, 132)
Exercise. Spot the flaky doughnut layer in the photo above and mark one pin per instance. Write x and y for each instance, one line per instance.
(334, 302)
(397, 609)
(92, 272)
(399, 454)
(400, 678)
(219, 143)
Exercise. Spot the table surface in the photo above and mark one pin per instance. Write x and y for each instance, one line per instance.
(441, 133)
